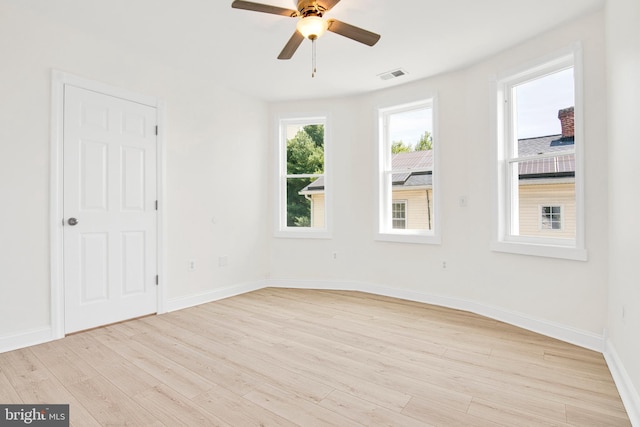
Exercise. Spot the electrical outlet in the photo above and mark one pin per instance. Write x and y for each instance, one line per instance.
(444, 265)
(334, 255)
(192, 265)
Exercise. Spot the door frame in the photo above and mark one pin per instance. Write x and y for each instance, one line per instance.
(59, 80)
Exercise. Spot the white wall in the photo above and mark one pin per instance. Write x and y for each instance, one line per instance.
(569, 294)
(623, 71)
(215, 151)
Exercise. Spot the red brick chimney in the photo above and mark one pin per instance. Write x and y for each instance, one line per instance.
(566, 120)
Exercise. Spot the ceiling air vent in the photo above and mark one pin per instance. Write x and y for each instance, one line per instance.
(392, 74)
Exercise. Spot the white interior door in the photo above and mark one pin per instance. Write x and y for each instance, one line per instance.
(110, 216)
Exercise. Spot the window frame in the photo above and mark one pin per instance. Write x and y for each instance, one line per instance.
(560, 214)
(404, 204)
(383, 222)
(503, 129)
(281, 229)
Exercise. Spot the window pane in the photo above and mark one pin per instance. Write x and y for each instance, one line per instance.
(305, 202)
(305, 149)
(547, 221)
(409, 153)
(538, 102)
(410, 131)
(543, 123)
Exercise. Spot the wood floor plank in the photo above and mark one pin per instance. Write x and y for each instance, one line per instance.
(297, 409)
(505, 414)
(283, 357)
(110, 405)
(362, 411)
(433, 414)
(238, 411)
(8, 394)
(586, 417)
(170, 407)
(152, 360)
(55, 356)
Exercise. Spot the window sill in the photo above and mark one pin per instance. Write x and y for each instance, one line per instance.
(541, 250)
(408, 238)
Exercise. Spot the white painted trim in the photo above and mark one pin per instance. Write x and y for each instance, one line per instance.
(542, 250)
(551, 329)
(58, 81)
(281, 230)
(628, 393)
(56, 205)
(161, 194)
(26, 339)
(213, 295)
(501, 128)
(382, 167)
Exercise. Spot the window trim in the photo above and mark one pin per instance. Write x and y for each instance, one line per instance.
(502, 240)
(280, 212)
(386, 234)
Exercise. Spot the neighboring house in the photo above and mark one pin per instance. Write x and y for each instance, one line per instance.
(546, 187)
(412, 193)
(547, 197)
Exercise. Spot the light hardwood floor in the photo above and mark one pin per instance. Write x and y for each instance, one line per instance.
(284, 357)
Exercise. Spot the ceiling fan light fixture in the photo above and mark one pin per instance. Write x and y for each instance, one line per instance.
(312, 27)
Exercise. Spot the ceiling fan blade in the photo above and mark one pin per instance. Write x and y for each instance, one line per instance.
(265, 8)
(328, 4)
(291, 46)
(353, 32)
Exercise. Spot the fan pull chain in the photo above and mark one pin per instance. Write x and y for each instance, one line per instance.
(313, 58)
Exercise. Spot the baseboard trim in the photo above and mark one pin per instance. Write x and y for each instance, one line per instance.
(628, 393)
(213, 295)
(562, 332)
(565, 333)
(26, 339)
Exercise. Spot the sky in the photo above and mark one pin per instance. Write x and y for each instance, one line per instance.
(538, 103)
(409, 126)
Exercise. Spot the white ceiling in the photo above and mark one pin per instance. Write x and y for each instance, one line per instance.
(238, 48)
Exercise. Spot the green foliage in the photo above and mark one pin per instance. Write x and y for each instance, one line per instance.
(305, 155)
(400, 147)
(316, 132)
(425, 143)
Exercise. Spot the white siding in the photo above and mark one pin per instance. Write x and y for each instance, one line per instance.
(532, 197)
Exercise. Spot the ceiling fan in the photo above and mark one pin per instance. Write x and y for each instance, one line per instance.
(311, 23)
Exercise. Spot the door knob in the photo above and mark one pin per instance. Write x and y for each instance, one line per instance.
(72, 221)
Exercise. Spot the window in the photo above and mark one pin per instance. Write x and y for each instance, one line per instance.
(302, 184)
(407, 180)
(399, 214)
(539, 160)
(551, 217)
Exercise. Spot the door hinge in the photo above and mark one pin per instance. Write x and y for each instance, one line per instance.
(157, 280)
(156, 129)
(156, 205)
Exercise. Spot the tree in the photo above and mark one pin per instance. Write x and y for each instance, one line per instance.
(399, 147)
(304, 156)
(425, 143)
(316, 132)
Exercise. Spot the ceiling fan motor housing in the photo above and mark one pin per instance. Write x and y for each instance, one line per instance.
(310, 8)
